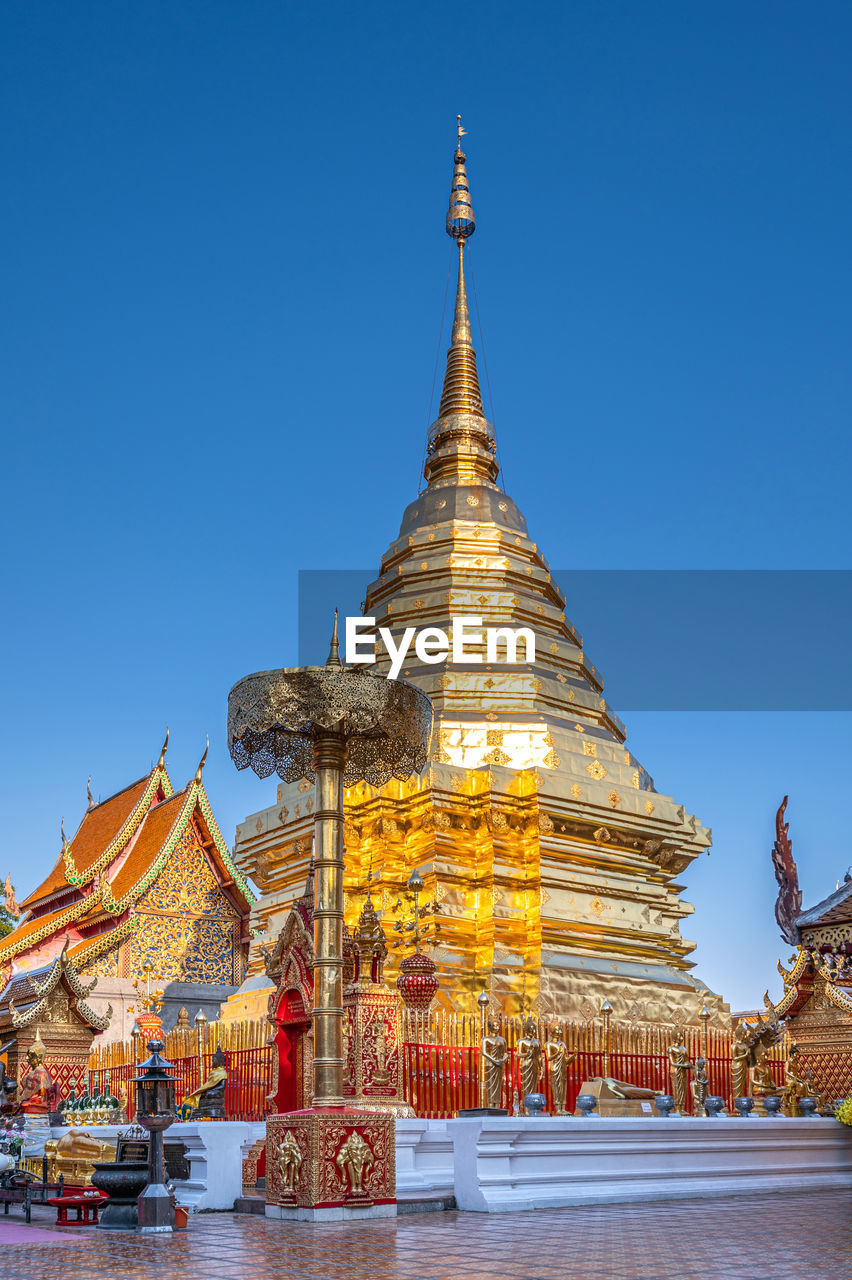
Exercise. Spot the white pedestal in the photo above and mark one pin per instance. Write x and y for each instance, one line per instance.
(514, 1163)
(214, 1150)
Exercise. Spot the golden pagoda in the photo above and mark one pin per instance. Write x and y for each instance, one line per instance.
(550, 862)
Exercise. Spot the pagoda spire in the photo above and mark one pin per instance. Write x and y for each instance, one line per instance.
(461, 442)
(461, 393)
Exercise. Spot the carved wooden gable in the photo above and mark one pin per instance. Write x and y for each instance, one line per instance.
(187, 928)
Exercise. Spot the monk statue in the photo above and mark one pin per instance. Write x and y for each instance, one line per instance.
(38, 1094)
(529, 1058)
(209, 1098)
(795, 1085)
(699, 1087)
(681, 1065)
(493, 1053)
(558, 1062)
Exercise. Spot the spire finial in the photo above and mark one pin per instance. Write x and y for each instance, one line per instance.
(162, 760)
(333, 659)
(202, 762)
(461, 440)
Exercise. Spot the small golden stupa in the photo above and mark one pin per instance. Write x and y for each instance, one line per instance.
(550, 862)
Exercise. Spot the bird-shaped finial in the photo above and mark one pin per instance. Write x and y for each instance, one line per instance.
(202, 762)
(162, 760)
(333, 659)
(62, 833)
(89, 796)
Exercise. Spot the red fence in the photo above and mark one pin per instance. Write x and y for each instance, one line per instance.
(440, 1060)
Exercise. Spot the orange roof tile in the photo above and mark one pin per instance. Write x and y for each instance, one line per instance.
(31, 927)
(99, 826)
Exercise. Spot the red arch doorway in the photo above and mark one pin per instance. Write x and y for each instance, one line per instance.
(293, 1022)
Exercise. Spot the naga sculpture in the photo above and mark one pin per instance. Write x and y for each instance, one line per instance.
(789, 902)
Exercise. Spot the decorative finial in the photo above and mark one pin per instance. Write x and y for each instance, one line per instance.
(461, 440)
(62, 833)
(162, 760)
(89, 795)
(202, 762)
(461, 223)
(333, 659)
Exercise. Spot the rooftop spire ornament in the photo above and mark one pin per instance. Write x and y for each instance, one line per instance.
(461, 440)
(332, 724)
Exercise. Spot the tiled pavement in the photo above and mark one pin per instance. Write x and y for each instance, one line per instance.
(770, 1237)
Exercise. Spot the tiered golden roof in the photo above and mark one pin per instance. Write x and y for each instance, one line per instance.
(549, 857)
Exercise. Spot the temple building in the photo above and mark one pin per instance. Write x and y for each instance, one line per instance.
(551, 863)
(817, 1002)
(145, 889)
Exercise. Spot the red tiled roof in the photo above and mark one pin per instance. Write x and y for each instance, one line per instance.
(155, 828)
(100, 825)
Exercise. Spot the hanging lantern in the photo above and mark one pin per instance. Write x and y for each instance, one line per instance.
(417, 983)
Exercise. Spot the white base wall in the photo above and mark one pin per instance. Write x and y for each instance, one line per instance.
(214, 1150)
(424, 1159)
(514, 1163)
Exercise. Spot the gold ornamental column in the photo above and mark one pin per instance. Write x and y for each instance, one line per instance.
(329, 754)
(335, 725)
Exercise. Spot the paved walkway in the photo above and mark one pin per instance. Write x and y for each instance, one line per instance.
(770, 1237)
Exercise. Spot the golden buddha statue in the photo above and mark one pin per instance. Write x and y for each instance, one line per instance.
(74, 1156)
(558, 1062)
(493, 1054)
(762, 1082)
(38, 1093)
(795, 1085)
(209, 1098)
(529, 1058)
(681, 1065)
(699, 1087)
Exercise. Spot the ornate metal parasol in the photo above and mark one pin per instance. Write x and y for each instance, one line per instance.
(337, 725)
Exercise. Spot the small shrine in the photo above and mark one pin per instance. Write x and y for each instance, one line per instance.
(46, 1014)
(817, 1001)
(371, 1014)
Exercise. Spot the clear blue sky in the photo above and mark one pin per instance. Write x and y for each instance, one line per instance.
(224, 272)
